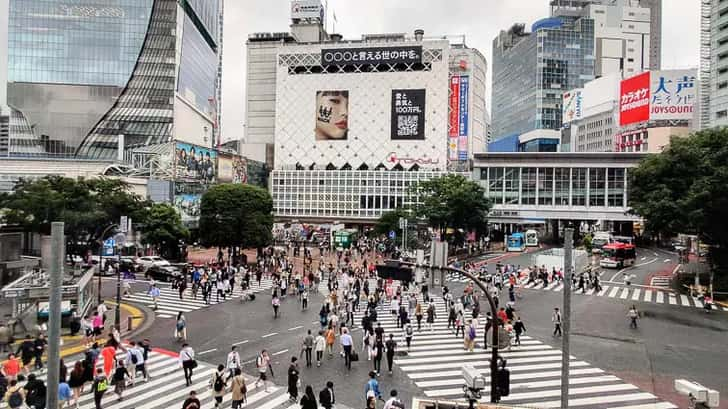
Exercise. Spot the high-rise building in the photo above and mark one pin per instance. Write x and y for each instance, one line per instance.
(531, 70)
(82, 74)
(715, 65)
(655, 7)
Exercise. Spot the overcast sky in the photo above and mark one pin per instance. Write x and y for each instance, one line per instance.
(479, 20)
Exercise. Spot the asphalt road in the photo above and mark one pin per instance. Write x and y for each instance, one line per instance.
(671, 341)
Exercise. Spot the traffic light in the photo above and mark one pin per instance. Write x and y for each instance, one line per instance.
(395, 271)
(503, 381)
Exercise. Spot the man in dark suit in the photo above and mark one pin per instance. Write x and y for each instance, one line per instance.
(327, 399)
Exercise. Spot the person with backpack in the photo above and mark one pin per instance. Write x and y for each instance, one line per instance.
(35, 392)
(391, 347)
(239, 389)
(15, 396)
(180, 330)
(218, 384)
(372, 387)
(99, 387)
(262, 362)
(119, 378)
(393, 402)
(469, 337)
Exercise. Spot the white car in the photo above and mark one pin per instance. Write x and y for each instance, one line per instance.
(148, 261)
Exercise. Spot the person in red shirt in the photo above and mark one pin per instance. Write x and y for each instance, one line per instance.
(502, 315)
(11, 367)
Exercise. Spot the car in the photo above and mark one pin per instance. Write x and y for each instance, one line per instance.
(162, 273)
(149, 261)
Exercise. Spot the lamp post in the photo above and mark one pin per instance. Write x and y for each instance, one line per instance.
(494, 394)
(101, 258)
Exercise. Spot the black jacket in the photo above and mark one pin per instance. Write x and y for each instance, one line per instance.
(326, 398)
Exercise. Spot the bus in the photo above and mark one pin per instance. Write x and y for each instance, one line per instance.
(531, 238)
(516, 242)
(617, 255)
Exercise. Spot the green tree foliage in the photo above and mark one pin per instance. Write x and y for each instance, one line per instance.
(235, 215)
(452, 201)
(684, 189)
(389, 221)
(163, 229)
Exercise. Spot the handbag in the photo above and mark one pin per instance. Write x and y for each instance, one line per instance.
(193, 365)
(354, 356)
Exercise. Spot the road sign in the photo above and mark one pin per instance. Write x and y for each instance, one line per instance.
(392, 234)
(110, 242)
(124, 224)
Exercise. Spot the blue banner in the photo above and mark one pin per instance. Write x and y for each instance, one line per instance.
(463, 118)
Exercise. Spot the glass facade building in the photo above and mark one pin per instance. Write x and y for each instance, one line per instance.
(532, 70)
(83, 72)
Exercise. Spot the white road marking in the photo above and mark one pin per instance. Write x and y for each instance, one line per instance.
(667, 260)
(684, 300)
(207, 352)
(672, 299)
(625, 293)
(241, 342)
(613, 293)
(636, 294)
(279, 352)
(698, 303)
(269, 335)
(648, 296)
(642, 258)
(660, 297)
(295, 328)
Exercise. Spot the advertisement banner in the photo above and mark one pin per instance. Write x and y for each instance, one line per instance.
(332, 115)
(187, 198)
(572, 106)
(307, 9)
(463, 118)
(634, 99)
(408, 114)
(371, 55)
(231, 168)
(673, 94)
(454, 106)
(195, 162)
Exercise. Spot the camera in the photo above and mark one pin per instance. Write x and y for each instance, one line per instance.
(474, 380)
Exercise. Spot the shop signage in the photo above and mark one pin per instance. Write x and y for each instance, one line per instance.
(371, 55)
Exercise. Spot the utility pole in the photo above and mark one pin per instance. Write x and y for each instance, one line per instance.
(54, 314)
(566, 315)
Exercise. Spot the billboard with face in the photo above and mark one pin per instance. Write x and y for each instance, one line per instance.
(332, 115)
(195, 162)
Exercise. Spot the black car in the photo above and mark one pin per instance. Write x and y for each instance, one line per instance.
(162, 273)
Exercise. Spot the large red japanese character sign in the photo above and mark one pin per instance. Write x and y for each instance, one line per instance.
(634, 99)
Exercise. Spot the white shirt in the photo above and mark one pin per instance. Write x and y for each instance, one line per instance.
(390, 403)
(186, 354)
(233, 360)
(320, 343)
(102, 309)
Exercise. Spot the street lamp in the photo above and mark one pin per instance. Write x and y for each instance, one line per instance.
(101, 258)
(494, 392)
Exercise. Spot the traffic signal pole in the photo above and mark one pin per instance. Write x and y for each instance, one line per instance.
(494, 394)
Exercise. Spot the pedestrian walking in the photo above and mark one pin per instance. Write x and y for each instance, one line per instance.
(109, 355)
(308, 401)
(293, 379)
(262, 362)
(192, 402)
(556, 319)
(154, 293)
(35, 393)
(180, 330)
(408, 332)
(519, 329)
(120, 376)
(188, 362)
(347, 343)
(239, 390)
(633, 314)
(276, 305)
(308, 342)
(233, 362)
(418, 315)
(371, 389)
(217, 383)
(15, 395)
(327, 398)
(40, 347)
(76, 380)
(393, 402)
(430, 315)
(378, 355)
(319, 345)
(99, 387)
(26, 351)
(330, 339)
(391, 347)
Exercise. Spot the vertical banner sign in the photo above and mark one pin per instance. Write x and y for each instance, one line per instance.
(463, 119)
(454, 118)
(634, 99)
(408, 114)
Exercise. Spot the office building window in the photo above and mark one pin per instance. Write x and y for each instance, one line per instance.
(495, 185)
(528, 186)
(578, 194)
(512, 185)
(597, 182)
(615, 187)
(561, 188)
(545, 186)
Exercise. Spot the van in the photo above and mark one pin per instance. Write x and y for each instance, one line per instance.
(601, 239)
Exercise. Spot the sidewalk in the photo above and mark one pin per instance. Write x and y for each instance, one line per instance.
(74, 344)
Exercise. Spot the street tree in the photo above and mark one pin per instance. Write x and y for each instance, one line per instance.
(452, 202)
(164, 230)
(389, 221)
(684, 189)
(236, 215)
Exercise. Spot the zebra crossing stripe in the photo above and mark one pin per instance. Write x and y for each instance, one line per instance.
(485, 371)
(636, 294)
(613, 293)
(513, 376)
(660, 297)
(604, 290)
(697, 302)
(684, 300)
(672, 299)
(525, 385)
(658, 405)
(625, 293)
(594, 400)
(648, 296)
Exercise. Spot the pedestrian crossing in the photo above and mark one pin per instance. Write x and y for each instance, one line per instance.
(631, 293)
(435, 359)
(166, 388)
(169, 302)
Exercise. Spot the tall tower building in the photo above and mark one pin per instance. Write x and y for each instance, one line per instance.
(716, 14)
(83, 73)
(655, 7)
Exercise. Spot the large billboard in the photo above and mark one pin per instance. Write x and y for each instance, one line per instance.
(454, 117)
(634, 99)
(672, 94)
(231, 168)
(572, 106)
(371, 55)
(408, 114)
(301, 9)
(195, 162)
(187, 198)
(332, 115)
(463, 118)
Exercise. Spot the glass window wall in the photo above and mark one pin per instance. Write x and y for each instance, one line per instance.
(615, 187)
(495, 185)
(562, 180)
(512, 185)
(578, 183)
(528, 186)
(597, 186)
(545, 186)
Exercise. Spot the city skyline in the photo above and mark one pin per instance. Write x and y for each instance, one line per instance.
(241, 19)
